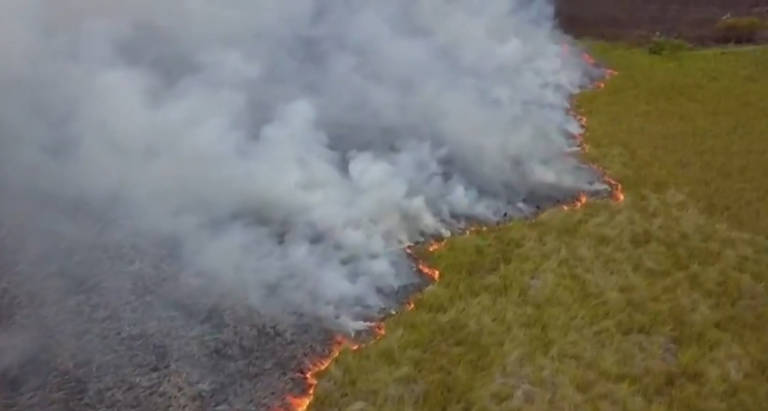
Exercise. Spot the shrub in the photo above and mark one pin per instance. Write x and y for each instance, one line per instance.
(662, 45)
(739, 29)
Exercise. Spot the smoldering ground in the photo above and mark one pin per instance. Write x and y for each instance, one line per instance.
(172, 172)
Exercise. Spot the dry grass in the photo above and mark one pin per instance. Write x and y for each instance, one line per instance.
(658, 303)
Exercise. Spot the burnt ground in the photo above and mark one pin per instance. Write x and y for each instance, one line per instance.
(117, 328)
(631, 20)
(92, 318)
(92, 321)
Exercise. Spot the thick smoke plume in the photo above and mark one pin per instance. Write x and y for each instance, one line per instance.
(285, 150)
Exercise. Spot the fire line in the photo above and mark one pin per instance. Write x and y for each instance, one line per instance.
(302, 402)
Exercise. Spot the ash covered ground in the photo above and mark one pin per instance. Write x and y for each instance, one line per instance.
(119, 327)
(195, 197)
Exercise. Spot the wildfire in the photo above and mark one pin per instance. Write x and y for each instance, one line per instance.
(588, 59)
(476, 228)
(430, 272)
(378, 331)
(301, 403)
(581, 119)
(577, 203)
(617, 193)
(435, 246)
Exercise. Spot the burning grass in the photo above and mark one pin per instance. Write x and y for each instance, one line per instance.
(657, 303)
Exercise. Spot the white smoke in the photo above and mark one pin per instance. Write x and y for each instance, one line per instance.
(292, 148)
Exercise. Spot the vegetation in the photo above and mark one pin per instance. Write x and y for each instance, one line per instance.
(740, 29)
(657, 303)
(663, 45)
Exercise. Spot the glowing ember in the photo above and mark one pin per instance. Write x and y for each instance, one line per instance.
(588, 59)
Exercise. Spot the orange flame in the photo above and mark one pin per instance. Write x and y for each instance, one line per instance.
(617, 193)
(430, 272)
(379, 330)
(301, 402)
(607, 73)
(435, 246)
(577, 203)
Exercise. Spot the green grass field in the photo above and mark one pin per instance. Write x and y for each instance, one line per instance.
(658, 303)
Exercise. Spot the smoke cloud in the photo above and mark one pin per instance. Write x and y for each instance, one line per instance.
(285, 150)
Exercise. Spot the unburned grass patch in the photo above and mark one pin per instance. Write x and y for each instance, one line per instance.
(657, 303)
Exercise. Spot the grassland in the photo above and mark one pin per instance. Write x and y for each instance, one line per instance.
(659, 303)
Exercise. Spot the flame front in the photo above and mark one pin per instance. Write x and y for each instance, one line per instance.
(577, 203)
(302, 402)
(588, 59)
(617, 193)
(435, 246)
(430, 272)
